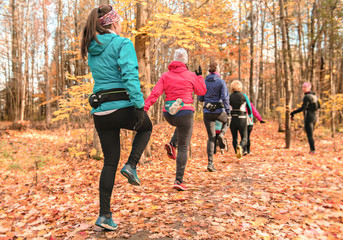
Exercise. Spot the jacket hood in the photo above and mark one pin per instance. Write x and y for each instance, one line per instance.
(96, 48)
(177, 67)
(212, 77)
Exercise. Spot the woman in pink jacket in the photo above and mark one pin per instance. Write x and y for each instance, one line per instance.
(178, 83)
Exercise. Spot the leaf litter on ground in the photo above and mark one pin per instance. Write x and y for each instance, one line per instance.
(49, 192)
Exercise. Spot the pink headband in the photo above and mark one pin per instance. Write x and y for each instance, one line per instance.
(307, 85)
(110, 17)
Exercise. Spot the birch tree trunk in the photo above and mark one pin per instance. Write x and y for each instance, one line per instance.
(26, 71)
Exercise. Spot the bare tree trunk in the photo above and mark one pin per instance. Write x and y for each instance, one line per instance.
(20, 62)
(12, 99)
(143, 53)
(301, 59)
(60, 48)
(262, 101)
(26, 76)
(33, 55)
(331, 68)
(239, 41)
(312, 44)
(289, 52)
(277, 77)
(46, 66)
(251, 77)
(287, 80)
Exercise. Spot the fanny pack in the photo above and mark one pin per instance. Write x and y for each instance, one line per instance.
(174, 106)
(214, 106)
(115, 94)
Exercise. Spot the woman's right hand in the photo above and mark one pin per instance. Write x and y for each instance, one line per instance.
(199, 72)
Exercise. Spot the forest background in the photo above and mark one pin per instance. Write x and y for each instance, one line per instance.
(48, 144)
(271, 46)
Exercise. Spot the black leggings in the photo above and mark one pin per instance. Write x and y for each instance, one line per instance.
(108, 128)
(181, 137)
(309, 128)
(210, 120)
(239, 125)
(250, 127)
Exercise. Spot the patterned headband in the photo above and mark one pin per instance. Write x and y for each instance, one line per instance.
(110, 17)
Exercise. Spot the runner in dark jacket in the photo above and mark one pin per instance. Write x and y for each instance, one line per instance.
(216, 107)
(239, 107)
(309, 107)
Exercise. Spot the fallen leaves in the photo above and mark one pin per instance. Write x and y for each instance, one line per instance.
(273, 193)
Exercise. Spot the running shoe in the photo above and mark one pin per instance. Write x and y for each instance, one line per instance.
(171, 150)
(106, 223)
(130, 173)
(239, 152)
(312, 152)
(179, 186)
(211, 168)
(221, 141)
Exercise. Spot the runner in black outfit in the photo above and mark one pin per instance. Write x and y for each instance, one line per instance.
(309, 107)
(238, 105)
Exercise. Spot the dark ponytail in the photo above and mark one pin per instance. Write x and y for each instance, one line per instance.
(93, 27)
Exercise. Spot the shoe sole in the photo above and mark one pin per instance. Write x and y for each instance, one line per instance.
(180, 188)
(107, 227)
(131, 178)
(169, 152)
(239, 152)
(211, 170)
(221, 141)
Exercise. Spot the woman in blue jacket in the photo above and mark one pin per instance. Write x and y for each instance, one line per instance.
(117, 100)
(216, 107)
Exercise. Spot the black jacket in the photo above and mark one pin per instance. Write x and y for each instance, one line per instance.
(310, 105)
(238, 104)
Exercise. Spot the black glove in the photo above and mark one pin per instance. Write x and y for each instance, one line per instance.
(262, 121)
(199, 72)
(292, 116)
(139, 116)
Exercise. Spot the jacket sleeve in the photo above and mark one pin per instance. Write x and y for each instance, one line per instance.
(224, 96)
(255, 112)
(155, 93)
(303, 106)
(199, 85)
(248, 108)
(128, 64)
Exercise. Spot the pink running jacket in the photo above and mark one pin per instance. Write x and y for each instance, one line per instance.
(178, 82)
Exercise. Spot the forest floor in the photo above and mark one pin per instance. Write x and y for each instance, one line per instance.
(49, 189)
